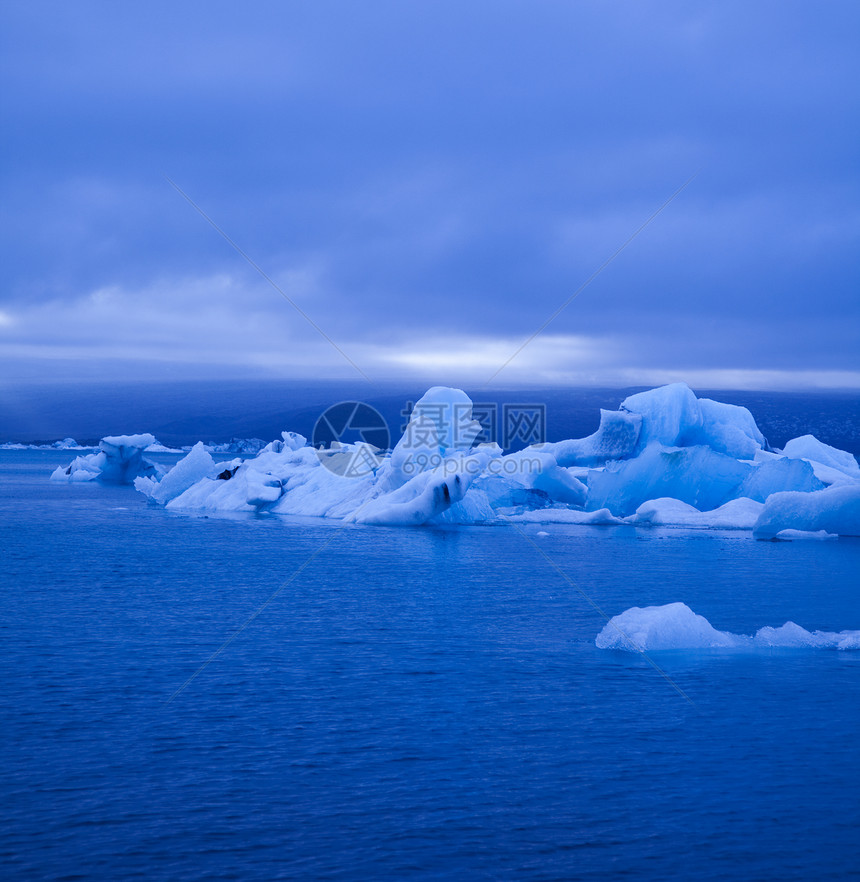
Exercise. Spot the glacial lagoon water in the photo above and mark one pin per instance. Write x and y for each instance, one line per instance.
(411, 703)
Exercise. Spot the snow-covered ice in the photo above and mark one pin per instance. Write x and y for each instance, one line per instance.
(676, 626)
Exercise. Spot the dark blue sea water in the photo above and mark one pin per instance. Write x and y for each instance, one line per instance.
(412, 704)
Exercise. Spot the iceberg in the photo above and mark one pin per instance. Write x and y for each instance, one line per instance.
(698, 476)
(676, 626)
(834, 510)
(665, 458)
(119, 461)
(672, 626)
(67, 444)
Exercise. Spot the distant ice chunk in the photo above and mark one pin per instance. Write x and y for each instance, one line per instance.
(809, 447)
(676, 626)
(835, 509)
(119, 460)
(293, 440)
(251, 446)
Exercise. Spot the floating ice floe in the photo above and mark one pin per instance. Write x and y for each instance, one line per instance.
(804, 535)
(664, 458)
(676, 626)
(834, 509)
(158, 447)
(119, 460)
(65, 444)
(736, 514)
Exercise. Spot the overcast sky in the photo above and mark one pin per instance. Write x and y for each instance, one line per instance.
(429, 182)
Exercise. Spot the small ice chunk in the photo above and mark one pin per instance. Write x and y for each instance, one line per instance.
(792, 535)
(293, 440)
(736, 514)
(600, 518)
(676, 626)
(672, 626)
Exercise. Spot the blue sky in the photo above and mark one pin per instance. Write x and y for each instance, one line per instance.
(429, 182)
